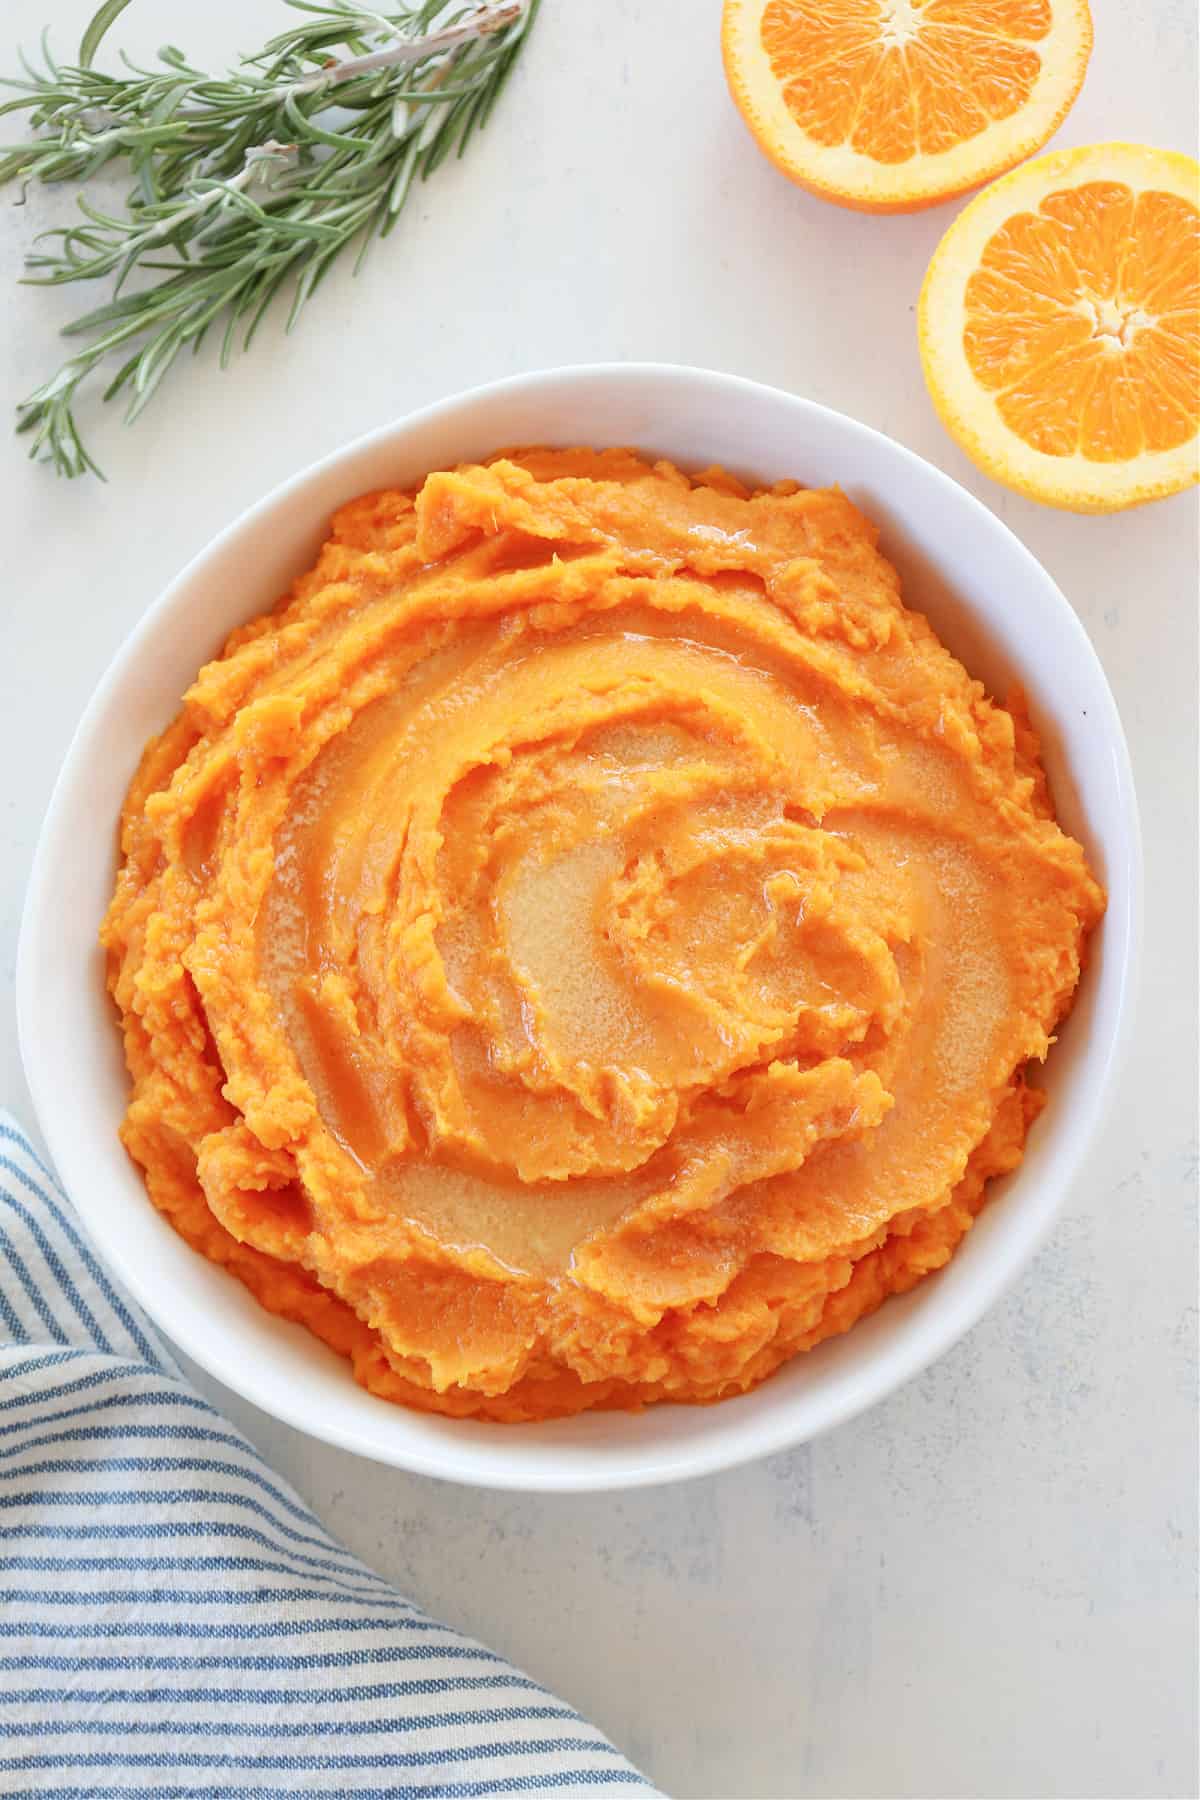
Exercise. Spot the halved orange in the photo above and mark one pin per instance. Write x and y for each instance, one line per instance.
(891, 105)
(1060, 327)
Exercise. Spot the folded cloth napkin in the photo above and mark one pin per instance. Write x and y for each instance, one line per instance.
(174, 1621)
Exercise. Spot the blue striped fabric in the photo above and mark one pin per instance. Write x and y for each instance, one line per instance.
(173, 1619)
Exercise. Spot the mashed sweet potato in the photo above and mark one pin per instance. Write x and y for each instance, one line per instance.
(586, 945)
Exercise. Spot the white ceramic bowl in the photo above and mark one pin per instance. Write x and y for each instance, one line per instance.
(991, 603)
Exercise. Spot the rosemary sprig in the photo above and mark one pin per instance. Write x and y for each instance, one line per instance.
(243, 184)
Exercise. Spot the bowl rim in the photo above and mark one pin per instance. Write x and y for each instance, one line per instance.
(885, 1372)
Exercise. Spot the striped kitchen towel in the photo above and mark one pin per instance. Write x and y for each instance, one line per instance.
(174, 1621)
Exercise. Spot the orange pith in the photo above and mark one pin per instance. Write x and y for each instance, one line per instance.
(896, 77)
(1083, 319)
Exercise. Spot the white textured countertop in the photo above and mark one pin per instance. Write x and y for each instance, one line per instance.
(985, 1587)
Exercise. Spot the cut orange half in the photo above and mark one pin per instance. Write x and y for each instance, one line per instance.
(1060, 327)
(891, 105)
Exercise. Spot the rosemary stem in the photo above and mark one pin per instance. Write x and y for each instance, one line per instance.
(481, 23)
(200, 203)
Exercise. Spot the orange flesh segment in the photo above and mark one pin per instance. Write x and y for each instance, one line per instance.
(1083, 319)
(895, 80)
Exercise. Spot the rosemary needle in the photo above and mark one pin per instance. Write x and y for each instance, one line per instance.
(243, 184)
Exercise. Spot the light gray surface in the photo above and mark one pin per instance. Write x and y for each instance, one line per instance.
(986, 1587)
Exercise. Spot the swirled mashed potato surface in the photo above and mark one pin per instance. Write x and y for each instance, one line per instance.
(586, 945)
